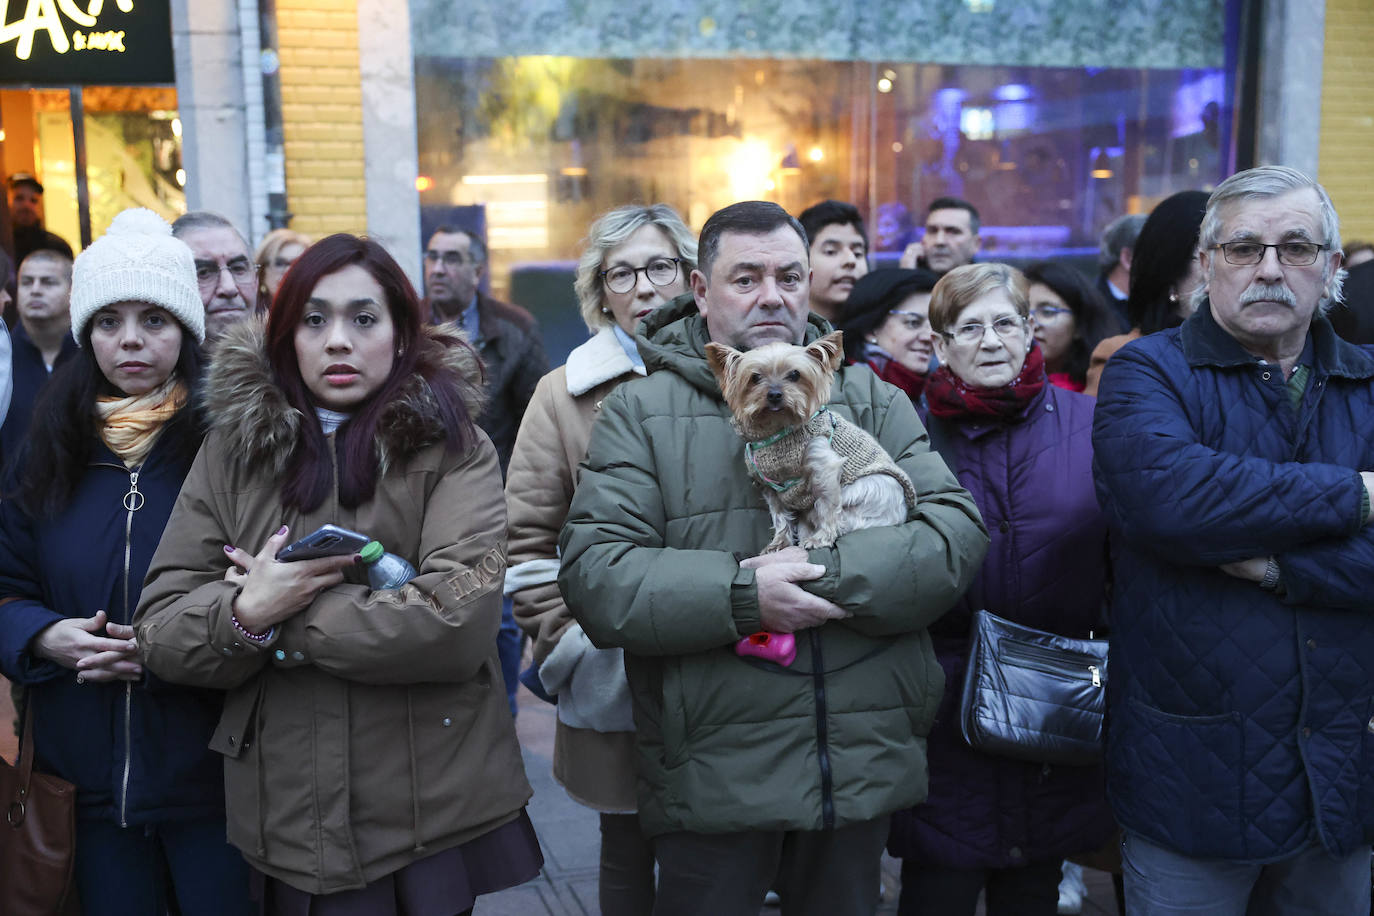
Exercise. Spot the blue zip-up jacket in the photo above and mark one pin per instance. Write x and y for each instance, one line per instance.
(1241, 720)
(137, 752)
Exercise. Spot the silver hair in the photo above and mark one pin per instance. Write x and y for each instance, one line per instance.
(611, 229)
(204, 219)
(1120, 233)
(1264, 182)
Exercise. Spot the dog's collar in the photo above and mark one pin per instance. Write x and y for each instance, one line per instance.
(751, 447)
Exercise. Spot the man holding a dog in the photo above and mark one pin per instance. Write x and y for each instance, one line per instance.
(1233, 457)
(753, 773)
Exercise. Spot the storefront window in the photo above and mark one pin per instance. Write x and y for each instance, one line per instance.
(532, 148)
(133, 152)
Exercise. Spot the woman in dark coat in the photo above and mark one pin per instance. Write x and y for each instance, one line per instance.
(1022, 448)
(885, 326)
(113, 436)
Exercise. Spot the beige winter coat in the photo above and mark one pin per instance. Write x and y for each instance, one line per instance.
(365, 734)
(596, 767)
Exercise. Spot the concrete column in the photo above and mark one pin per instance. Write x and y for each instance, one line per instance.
(390, 141)
(211, 104)
(255, 130)
(1290, 90)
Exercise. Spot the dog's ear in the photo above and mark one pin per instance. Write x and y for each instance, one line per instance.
(722, 361)
(829, 350)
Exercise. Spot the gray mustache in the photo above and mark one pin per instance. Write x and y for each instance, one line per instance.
(1268, 293)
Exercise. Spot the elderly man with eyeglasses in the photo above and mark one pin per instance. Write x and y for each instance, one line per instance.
(1233, 459)
(225, 271)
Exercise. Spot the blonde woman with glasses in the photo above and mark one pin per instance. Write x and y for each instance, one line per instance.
(636, 259)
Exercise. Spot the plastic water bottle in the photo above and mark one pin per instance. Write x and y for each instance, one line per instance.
(385, 570)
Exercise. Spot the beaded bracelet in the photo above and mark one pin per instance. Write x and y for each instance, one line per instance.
(247, 635)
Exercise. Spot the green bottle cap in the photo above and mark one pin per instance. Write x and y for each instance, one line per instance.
(372, 552)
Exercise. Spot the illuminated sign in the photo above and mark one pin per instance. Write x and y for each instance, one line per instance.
(65, 42)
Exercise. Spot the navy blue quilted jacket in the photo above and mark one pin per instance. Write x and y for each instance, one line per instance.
(137, 752)
(1240, 719)
(1046, 567)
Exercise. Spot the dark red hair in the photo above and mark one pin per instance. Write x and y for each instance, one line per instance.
(310, 474)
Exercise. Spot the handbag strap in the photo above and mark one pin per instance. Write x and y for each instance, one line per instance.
(26, 752)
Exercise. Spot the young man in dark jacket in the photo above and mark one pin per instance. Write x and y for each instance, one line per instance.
(1232, 459)
(751, 774)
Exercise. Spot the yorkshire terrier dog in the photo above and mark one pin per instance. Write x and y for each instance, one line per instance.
(821, 475)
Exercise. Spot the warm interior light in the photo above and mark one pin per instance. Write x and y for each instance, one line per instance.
(574, 171)
(505, 179)
(815, 155)
(884, 85)
(423, 183)
(1102, 166)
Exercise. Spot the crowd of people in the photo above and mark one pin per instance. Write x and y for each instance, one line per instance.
(1175, 453)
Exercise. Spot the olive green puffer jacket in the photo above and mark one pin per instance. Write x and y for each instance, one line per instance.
(651, 551)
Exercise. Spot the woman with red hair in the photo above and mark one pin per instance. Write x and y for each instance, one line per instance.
(370, 766)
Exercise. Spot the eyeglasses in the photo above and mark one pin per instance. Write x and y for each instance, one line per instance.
(449, 258)
(911, 321)
(1006, 327)
(1291, 254)
(622, 279)
(208, 274)
(1049, 313)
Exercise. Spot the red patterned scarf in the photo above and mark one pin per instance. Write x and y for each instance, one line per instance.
(949, 397)
(894, 373)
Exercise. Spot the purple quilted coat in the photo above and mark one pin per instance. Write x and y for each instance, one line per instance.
(1046, 567)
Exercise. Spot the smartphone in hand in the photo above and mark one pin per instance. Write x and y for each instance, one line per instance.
(325, 541)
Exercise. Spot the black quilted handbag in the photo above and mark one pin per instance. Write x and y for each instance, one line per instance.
(1033, 695)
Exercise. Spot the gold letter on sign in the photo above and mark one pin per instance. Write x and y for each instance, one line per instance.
(40, 14)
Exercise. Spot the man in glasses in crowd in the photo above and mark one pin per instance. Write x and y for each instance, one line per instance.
(225, 271)
(507, 338)
(1233, 457)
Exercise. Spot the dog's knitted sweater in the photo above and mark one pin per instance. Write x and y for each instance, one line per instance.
(776, 462)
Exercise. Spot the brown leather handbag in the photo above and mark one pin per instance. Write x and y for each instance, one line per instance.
(38, 836)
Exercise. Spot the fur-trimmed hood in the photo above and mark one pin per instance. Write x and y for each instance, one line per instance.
(242, 398)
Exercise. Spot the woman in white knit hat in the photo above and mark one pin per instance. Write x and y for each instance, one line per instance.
(112, 439)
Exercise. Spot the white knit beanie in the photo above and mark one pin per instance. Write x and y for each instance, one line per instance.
(137, 260)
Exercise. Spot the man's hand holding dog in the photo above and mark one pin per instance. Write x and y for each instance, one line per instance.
(784, 606)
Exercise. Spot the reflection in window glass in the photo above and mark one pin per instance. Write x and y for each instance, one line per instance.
(533, 148)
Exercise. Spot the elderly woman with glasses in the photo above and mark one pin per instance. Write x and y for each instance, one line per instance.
(636, 259)
(1023, 449)
(886, 326)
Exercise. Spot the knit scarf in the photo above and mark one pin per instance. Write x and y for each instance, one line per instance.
(130, 425)
(951, 397)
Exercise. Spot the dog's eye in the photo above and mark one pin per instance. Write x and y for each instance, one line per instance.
(793, 376)
(755, 379)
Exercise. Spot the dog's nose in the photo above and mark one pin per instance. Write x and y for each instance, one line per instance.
(774, 396)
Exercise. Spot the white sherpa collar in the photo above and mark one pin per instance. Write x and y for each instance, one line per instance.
(598, 360)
